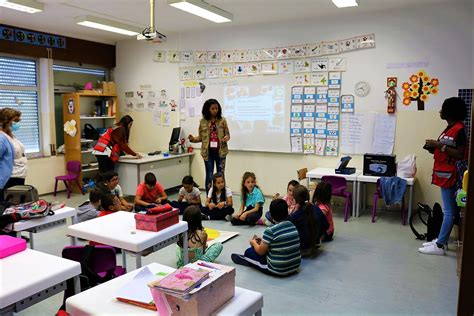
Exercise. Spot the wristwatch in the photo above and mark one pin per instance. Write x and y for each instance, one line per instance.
(443, 148)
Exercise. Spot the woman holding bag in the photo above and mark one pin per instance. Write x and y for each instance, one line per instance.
(449, 149)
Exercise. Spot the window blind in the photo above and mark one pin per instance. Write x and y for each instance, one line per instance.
(19, 90)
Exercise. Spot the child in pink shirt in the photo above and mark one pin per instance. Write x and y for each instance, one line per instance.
(288, 198)
(322, 199)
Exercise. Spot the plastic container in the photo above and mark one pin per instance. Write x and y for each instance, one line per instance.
(11, 245)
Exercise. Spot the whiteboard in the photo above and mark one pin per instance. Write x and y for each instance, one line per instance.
(257, 110)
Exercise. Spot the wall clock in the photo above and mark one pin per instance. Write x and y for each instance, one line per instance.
(362, 88)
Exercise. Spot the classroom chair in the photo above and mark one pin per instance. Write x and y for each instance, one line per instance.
(339, 188)
(377, 196)
(73, 168)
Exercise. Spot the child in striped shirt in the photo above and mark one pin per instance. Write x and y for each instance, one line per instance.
(278, 251)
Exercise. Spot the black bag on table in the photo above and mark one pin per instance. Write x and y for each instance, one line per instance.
(20, 194)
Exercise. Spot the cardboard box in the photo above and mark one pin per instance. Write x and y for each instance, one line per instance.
(208, 298)
(155, 223)
(108, 87)
(380, 165)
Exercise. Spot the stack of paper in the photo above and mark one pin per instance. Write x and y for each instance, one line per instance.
(181, 282)
(136, 292)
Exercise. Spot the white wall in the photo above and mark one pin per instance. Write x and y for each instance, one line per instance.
(437, 35)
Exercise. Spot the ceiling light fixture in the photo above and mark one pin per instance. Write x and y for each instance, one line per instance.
(108, 25)
(345, 3)
(29, 6)
(202, 9)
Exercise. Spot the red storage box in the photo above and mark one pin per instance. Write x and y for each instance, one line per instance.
(157, 222)
(11, 245)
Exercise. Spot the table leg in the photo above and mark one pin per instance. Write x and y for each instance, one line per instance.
(32, 245)
(258, 313)
(124, 259)
(77, 285)
(410, 201)
(358, 199)
(354, 198)
(73, 240)
(185, 247)
(138, 259)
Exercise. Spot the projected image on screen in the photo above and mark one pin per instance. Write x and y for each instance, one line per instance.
(256, 115)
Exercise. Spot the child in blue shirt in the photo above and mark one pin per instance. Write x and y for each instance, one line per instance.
(252, 202)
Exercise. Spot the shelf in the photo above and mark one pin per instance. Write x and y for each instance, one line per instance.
(92, 93)
(86, 151)
(96, 117)
(90, 169)
(87, 140)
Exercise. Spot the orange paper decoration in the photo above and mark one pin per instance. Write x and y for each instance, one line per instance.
(419, 87)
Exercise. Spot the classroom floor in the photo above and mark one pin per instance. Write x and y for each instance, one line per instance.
(369, 269)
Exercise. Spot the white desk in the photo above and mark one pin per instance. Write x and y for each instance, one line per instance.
(100, 300)
(29, 277)
(361, 180)
(118, 230)
(318, 173)
(40, 224)
(169, 171)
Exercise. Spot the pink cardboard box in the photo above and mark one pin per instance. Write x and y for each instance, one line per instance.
(157, 222)
(11, 245)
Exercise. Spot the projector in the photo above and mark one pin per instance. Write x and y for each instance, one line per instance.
(149, 35)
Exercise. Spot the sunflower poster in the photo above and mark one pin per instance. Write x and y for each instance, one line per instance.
(419, 88)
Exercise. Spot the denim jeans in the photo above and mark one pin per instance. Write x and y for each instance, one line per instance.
(212, 159)
(448, 195)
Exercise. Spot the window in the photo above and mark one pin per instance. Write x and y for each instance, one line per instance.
(19, 90)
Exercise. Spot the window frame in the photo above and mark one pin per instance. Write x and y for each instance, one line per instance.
(38, 99)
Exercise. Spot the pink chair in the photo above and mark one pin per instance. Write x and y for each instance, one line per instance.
(377, 196)
(339, 186)
(73, 168)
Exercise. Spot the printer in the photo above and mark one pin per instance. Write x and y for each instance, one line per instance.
(380, 165)
(342, 166)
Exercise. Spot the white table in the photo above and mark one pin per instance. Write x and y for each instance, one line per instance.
(118, 230)
(101, 299)
(361, 180)
(29, 277)
(40, 224)
(318, 173)
(169, 171)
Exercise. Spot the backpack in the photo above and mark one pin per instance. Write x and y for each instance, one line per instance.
(31, 210)
(434, 219)
(90, 132)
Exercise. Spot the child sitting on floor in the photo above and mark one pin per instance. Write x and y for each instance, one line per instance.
(110, 204)
(149, 194)
(197, 239)
(252, 201)
(309, 221)
(110, 184)
(278, 251)
(188, 195)
(322, 199)
(219, 200)
(90, 209)
(288, 198)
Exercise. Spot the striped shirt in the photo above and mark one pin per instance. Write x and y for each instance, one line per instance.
(283, 241)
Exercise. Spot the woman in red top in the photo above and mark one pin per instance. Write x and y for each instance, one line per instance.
(112, 143)
(449, 149)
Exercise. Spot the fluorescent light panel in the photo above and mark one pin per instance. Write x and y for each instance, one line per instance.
(108, 25)
(202, 9)
(345, 3)
(29, 6)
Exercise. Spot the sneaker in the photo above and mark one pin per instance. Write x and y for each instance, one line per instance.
(239, 259)
(430, 242)
(432, 249)
(228, 218)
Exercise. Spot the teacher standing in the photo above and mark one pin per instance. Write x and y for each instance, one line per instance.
(214, 135)
(10, 122)
(112, 143)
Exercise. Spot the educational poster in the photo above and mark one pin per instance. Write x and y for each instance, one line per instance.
(268, 53)
(308, 145)
(186, 73)
(214, 57)
(319, 79)
(283, 53)
(227, 56)
(333, 98)
(186, 57)
(347, 45)
(319, 64)
(212, 72)
(269, 68)
(200, 72)
(192, 99)
(285, 67)
(303, 65)
(240, 70)
(314, 50)
(159, 56)
(254, 55)
(337, 64)
(330, 48)
(334, 80)
(226, 71)
(240, 56)
(302, 79)
(332, 146)
(365, 41)
(200, 57)
(298, 51)
(253, 69)
(347, 103)
(296, 119)
(320, 146)
(174, 56)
